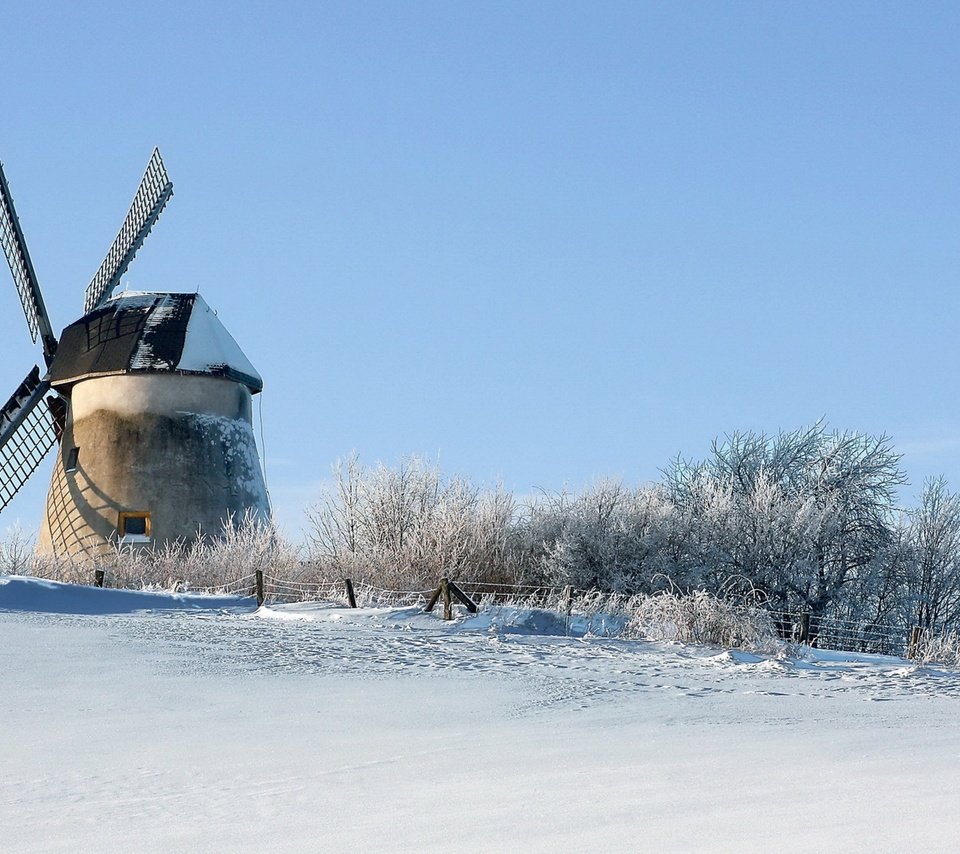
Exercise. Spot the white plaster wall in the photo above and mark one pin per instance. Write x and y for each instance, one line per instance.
(160, 394)
(180, 447)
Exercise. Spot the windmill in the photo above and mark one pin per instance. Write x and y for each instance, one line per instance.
(146, 399)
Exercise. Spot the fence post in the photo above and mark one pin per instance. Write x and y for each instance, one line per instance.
(567, 608)
(804, 628)
(258, 581)
(447, 604)
(467, 601)
(351, 598)
(433, 599)
(913, 647)
(98, 578)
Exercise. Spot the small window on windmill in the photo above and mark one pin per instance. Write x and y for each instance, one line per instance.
(73, 458)
(134, 527)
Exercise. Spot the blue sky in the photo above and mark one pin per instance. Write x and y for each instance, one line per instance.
(544, 242)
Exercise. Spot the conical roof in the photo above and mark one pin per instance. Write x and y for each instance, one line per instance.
(151, 333)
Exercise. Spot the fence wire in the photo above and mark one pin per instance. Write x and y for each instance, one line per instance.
(792, 626)
(821, 632)
(842, 635)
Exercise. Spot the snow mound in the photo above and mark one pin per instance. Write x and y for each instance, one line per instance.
(496, 619)
(512, 620)
(519, 621)
(21, 593)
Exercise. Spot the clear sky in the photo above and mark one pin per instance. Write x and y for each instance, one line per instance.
(544, 242)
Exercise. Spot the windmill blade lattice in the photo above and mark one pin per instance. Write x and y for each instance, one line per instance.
(152, 195)
(27, 433)
(15, 248)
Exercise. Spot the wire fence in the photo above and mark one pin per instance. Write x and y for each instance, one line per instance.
(823, 632)
(287, 591)
(843, 635)
(243, 586)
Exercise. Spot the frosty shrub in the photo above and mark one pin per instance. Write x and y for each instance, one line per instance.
(16, 552)
(698, 617)
(244, 546)
(405, 527)
(702, 618)
(609, 537)
(803, 516)
(61, 569)
(939, 649)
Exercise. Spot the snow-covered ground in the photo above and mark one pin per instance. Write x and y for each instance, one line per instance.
(144, 722)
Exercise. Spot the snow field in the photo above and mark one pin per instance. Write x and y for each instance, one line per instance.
(305, 728)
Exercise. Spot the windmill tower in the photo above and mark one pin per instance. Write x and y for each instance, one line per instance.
(146, 398)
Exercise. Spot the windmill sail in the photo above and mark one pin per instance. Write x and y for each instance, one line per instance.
(26, 435)
(152, 195)
(15, 248)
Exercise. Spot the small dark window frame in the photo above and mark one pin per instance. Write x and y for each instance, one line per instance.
(73, 459)
(127, 516)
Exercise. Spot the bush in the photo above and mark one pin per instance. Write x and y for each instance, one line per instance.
(405, 527)
(703, 618)
(939, 649)
(244, 546)
(696, 618)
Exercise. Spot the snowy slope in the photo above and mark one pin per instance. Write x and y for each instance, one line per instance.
(321, 729)
(36, 595)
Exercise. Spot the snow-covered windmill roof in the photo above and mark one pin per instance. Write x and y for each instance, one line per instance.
(151, 332)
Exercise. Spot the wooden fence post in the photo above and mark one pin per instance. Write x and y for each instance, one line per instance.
(351, 598)
(467, 601)
(98, 575)
(568, 600)
(804, 628)
(447, 604)
(444, 589)
(258, 582)
(433, 599)
(913, 647)
(567, 608)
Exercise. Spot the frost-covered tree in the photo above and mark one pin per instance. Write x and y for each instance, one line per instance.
(16, 552)
(854, 480)
(933, 577)
(878, 595)
(797, 516)
(408, 525)
(609, 537)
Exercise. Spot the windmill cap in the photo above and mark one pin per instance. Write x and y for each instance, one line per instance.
(150, 333)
